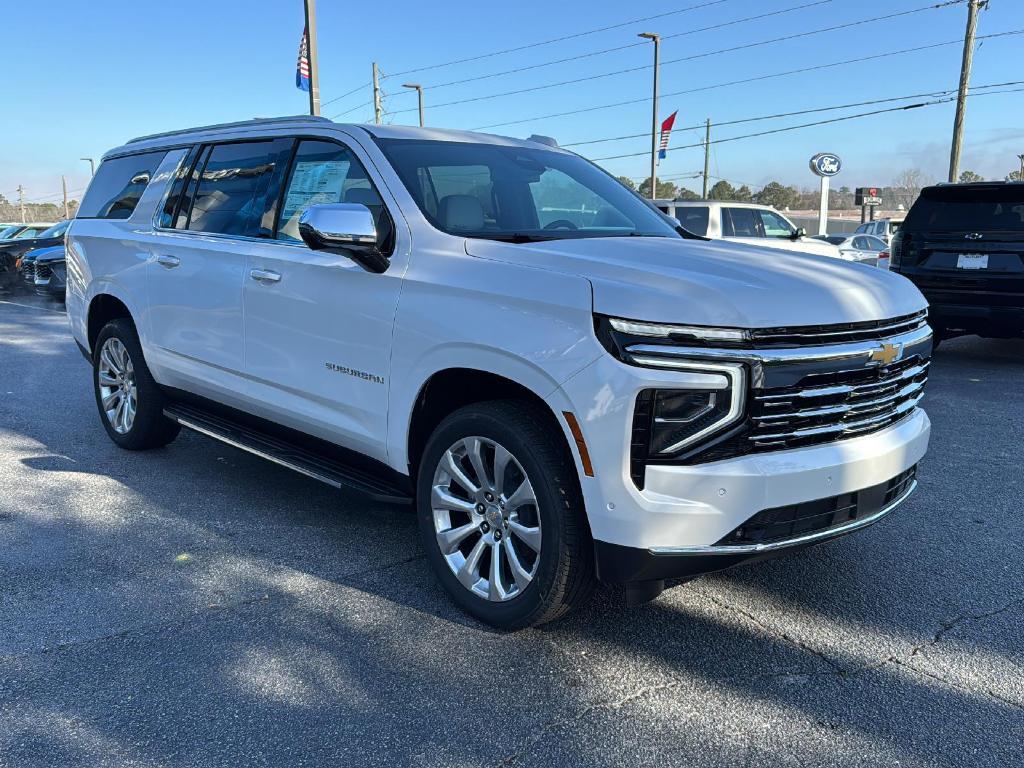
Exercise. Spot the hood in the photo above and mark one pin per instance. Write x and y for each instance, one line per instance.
(803, 245)
(28, 244)
(53, 253)
(715, 282)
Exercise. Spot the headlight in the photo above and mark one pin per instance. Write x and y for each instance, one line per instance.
(672, 423)
(678, 332)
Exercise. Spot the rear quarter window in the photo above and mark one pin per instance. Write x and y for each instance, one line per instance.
(693, 219)
(118, 185)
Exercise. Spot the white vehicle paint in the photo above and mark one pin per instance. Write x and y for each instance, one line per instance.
(748, 223)
(590, 328)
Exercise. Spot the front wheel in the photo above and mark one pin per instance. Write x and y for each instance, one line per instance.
(501, 515)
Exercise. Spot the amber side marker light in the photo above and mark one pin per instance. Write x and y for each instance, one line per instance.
(581, 445)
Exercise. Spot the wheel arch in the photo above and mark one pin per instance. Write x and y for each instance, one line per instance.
(104, 307)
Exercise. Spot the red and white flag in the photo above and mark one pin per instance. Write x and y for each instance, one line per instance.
(666, 129)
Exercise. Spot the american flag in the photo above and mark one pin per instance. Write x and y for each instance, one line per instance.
(302, 66)
(666, 129)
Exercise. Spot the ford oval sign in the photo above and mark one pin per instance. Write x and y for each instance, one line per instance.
(826, 164)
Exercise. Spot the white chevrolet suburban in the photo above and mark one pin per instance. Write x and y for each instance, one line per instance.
(569, 389)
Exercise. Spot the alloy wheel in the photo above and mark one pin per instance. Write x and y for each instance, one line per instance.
(486, 518)
(116, 379)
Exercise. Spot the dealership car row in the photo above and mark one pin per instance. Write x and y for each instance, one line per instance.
(33, 254)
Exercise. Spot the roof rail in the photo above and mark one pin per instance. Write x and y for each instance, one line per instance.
(256, 121)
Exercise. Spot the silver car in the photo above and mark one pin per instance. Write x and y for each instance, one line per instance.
(864, 249)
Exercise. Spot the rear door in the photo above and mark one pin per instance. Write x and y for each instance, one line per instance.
(220, 209)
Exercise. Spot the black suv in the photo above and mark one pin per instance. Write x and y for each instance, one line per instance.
(963, 246)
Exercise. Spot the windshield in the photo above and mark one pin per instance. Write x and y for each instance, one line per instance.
(31, 232)
(518, 194)
(7, 232)
(56, 230)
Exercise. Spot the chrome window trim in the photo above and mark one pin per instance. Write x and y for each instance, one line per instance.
(753, 549)
(665, 356)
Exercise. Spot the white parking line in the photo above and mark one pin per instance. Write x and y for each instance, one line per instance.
(31, 306)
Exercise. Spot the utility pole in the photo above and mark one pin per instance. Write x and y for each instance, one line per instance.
(1021, 158)
(656, 39)
(707, 156)
(21, 202)
(419, 97)
(314, 71)
(965, 81)
(64, 183)
(92, 165)
(378, 110)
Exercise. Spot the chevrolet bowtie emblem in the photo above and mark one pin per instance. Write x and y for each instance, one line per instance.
(886, 353)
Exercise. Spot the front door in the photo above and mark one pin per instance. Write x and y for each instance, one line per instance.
(318, 326)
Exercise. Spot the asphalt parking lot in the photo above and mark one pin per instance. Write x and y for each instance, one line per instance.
(199, 606)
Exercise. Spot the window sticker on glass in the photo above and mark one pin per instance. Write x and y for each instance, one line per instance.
(314, 183)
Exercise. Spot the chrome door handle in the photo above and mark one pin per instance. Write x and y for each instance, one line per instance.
(168, 261)
(264, 276)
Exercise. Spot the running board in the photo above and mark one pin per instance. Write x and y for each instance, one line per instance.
(287, 454)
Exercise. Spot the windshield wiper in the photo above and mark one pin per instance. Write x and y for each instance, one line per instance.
(514, 237)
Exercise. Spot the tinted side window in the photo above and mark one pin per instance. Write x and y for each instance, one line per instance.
(119, 183)
(693, 219)
(740, 222)
(174, 195)
(325, 172)
(236, 194)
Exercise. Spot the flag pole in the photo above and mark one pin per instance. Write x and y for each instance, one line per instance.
(314, 71)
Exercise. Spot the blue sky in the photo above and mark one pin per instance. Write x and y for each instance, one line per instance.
(96, 74)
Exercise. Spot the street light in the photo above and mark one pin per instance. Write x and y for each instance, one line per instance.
(92, 165)
(419, 97)
(656, 39)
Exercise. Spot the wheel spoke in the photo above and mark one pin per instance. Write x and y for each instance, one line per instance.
(111, 400)
(469, 573)
(105, 379)
(501, 460)
(129, 413)
(107, 358)
(455, 470)
(442, 498)
(495, 591)
(529, 536)
(119, 415)
(521, 496)
(521, 575)
(453, 537)
(474, 450)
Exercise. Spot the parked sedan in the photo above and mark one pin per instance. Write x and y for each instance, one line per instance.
(864, 249)
(50, 273)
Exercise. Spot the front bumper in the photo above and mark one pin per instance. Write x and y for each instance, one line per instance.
(629, 565)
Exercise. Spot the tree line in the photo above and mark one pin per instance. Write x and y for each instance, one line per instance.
(11, 211)
(903, 191)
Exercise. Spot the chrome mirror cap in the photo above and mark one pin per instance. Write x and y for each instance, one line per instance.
(338, 225)
(347, 229)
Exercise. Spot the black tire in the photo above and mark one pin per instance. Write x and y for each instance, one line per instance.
(150, 428)
(564, 575)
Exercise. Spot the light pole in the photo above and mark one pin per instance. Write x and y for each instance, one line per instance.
(419, 97)
(92, 165)
(656, 39)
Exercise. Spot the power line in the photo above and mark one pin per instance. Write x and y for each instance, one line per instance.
(560, 39)
(344, 95)
(891, 99)
(614, 49)
(812, 124)
(744, 81)
(745, 46)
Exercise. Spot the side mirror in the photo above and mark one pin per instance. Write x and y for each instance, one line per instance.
(347, 229)
(800, 232)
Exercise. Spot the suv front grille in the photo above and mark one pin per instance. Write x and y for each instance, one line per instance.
(826, 407)
(42, 272)
(28, 271)
(794, 520)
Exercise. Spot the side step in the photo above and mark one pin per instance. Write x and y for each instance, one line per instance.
(288, 454)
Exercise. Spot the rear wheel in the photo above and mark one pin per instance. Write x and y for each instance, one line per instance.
(501, 515)
(130, 402)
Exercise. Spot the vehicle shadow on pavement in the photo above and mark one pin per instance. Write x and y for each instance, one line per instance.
(194, 604)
